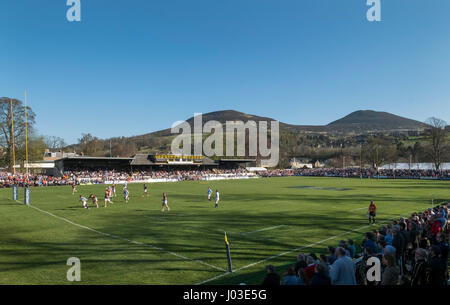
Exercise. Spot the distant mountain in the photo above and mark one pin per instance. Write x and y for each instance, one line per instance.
(221, 116)
(359, 122)
(362, 122)
(368, 120)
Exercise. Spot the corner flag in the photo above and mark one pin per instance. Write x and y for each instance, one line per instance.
(226, 240)
(227, 247)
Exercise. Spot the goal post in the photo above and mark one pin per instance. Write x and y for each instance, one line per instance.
(15, 193)
(27, 196)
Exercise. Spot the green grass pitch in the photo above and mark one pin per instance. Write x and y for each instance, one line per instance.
(268, 221)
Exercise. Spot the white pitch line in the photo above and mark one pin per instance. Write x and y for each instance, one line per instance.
(281, 254)
(247, 233)
(358, 209)
(264, 229)
(128, 240)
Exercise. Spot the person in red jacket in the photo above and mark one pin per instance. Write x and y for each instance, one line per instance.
(310, 268)
(435, 227)
(372, 212)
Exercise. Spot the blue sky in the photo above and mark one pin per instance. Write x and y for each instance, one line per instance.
(132, 67)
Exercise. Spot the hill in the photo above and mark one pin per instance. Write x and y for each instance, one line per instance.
(220, 116)
(368, 121)
(360, 122)
(295, 139)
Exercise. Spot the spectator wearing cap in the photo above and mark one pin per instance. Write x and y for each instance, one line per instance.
(342, 271)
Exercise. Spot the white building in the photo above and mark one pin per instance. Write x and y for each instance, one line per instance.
(415, 166)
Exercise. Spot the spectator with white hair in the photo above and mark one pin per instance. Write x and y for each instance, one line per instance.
(301, 263)
(419, 273)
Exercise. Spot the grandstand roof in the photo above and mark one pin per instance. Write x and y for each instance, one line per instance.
(147, 160)
(237, 160)
(208, 161)
(95, 158)
(141, 159)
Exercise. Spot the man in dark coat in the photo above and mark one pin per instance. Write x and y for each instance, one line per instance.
(272, 278)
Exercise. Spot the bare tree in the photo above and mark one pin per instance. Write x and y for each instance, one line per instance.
(53, 142)
(437, 136)
(6, 134)
(378, 152)
(90, 145)
(124, 149)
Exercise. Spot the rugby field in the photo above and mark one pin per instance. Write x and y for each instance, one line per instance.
(268, 221)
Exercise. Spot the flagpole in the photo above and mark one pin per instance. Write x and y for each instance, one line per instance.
(360, 160)
(227, 248)
(26, 134)
(12, 136)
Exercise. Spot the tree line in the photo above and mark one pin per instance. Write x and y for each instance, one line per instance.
(372, 150)
(13, 133)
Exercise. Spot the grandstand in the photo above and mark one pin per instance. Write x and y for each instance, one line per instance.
(148, 162)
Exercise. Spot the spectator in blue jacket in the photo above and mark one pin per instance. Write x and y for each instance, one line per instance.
(388, 237)
(352, 248)
(290, 278)
(369, 242)
(342, 271)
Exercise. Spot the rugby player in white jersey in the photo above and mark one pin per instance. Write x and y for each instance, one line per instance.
(164, 203)
(126, 194)
(217, 198)
(84, 202)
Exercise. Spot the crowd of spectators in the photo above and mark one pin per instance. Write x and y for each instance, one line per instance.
(9, 179)
(100, 176)
(411, 251)
(357, 173)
